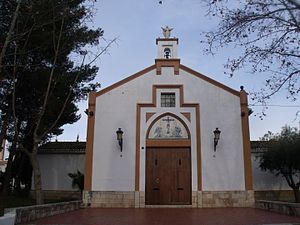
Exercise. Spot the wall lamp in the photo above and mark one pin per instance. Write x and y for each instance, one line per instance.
(89, 113)
(120, 138)
(217, 133)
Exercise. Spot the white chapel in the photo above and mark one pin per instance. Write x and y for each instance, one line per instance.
(168, 136)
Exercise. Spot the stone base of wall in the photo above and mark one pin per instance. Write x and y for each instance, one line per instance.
(169, 206)
(136, 199)
(212, 199)
(109, 199)
(139, 199)
(275, 195)
(194, 199)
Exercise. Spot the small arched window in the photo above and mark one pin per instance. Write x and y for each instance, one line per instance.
(167, 52)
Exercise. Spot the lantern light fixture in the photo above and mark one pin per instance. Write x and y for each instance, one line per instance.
(217, 133)
(120, 138)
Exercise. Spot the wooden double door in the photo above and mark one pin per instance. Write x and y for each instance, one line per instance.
(168, 176)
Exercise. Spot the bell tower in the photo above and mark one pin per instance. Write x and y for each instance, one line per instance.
(167, 55)
(166, 46)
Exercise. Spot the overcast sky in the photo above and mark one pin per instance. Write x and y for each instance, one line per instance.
(137, 24)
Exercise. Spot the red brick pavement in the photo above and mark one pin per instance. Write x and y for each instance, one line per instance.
(163, 216)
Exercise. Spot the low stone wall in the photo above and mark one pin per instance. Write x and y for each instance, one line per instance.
(291, 209)
(29, 213)
(275, 195)
(59, 195)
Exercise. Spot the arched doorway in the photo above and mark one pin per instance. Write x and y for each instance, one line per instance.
(168, 162)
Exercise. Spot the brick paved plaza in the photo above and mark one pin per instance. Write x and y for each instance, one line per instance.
(163, 216)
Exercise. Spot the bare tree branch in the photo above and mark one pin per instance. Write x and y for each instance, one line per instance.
(267, 32)
(74, 82)
(41, 114)
(8, 36)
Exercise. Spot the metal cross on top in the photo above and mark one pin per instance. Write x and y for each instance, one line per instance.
(167, 31)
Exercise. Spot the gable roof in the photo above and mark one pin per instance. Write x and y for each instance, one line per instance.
(209, 80)
(126, 80)
(185, 68)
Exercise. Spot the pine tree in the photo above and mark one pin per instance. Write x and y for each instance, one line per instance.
(43, 81)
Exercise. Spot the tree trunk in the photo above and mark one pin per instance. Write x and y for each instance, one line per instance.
(19, 167)
(7, 176)
(296, 194)
(36, 175)
(3, 131)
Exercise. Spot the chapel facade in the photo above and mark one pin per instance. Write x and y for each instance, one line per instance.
(183, 140)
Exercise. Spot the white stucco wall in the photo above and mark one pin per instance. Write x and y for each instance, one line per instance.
(114, 171)
(55, 169)
(264, 180)
(172, 45)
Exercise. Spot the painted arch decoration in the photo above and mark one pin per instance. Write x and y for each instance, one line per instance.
(168, 126)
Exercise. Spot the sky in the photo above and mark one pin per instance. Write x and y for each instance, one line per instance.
(137, 23)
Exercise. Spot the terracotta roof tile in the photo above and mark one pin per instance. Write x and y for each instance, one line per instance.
(78, 147)
(63, 147)
(259, 146)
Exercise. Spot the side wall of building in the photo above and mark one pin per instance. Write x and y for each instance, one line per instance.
(55, 169)
(56, 183)
(264, 180)
(267, 186)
